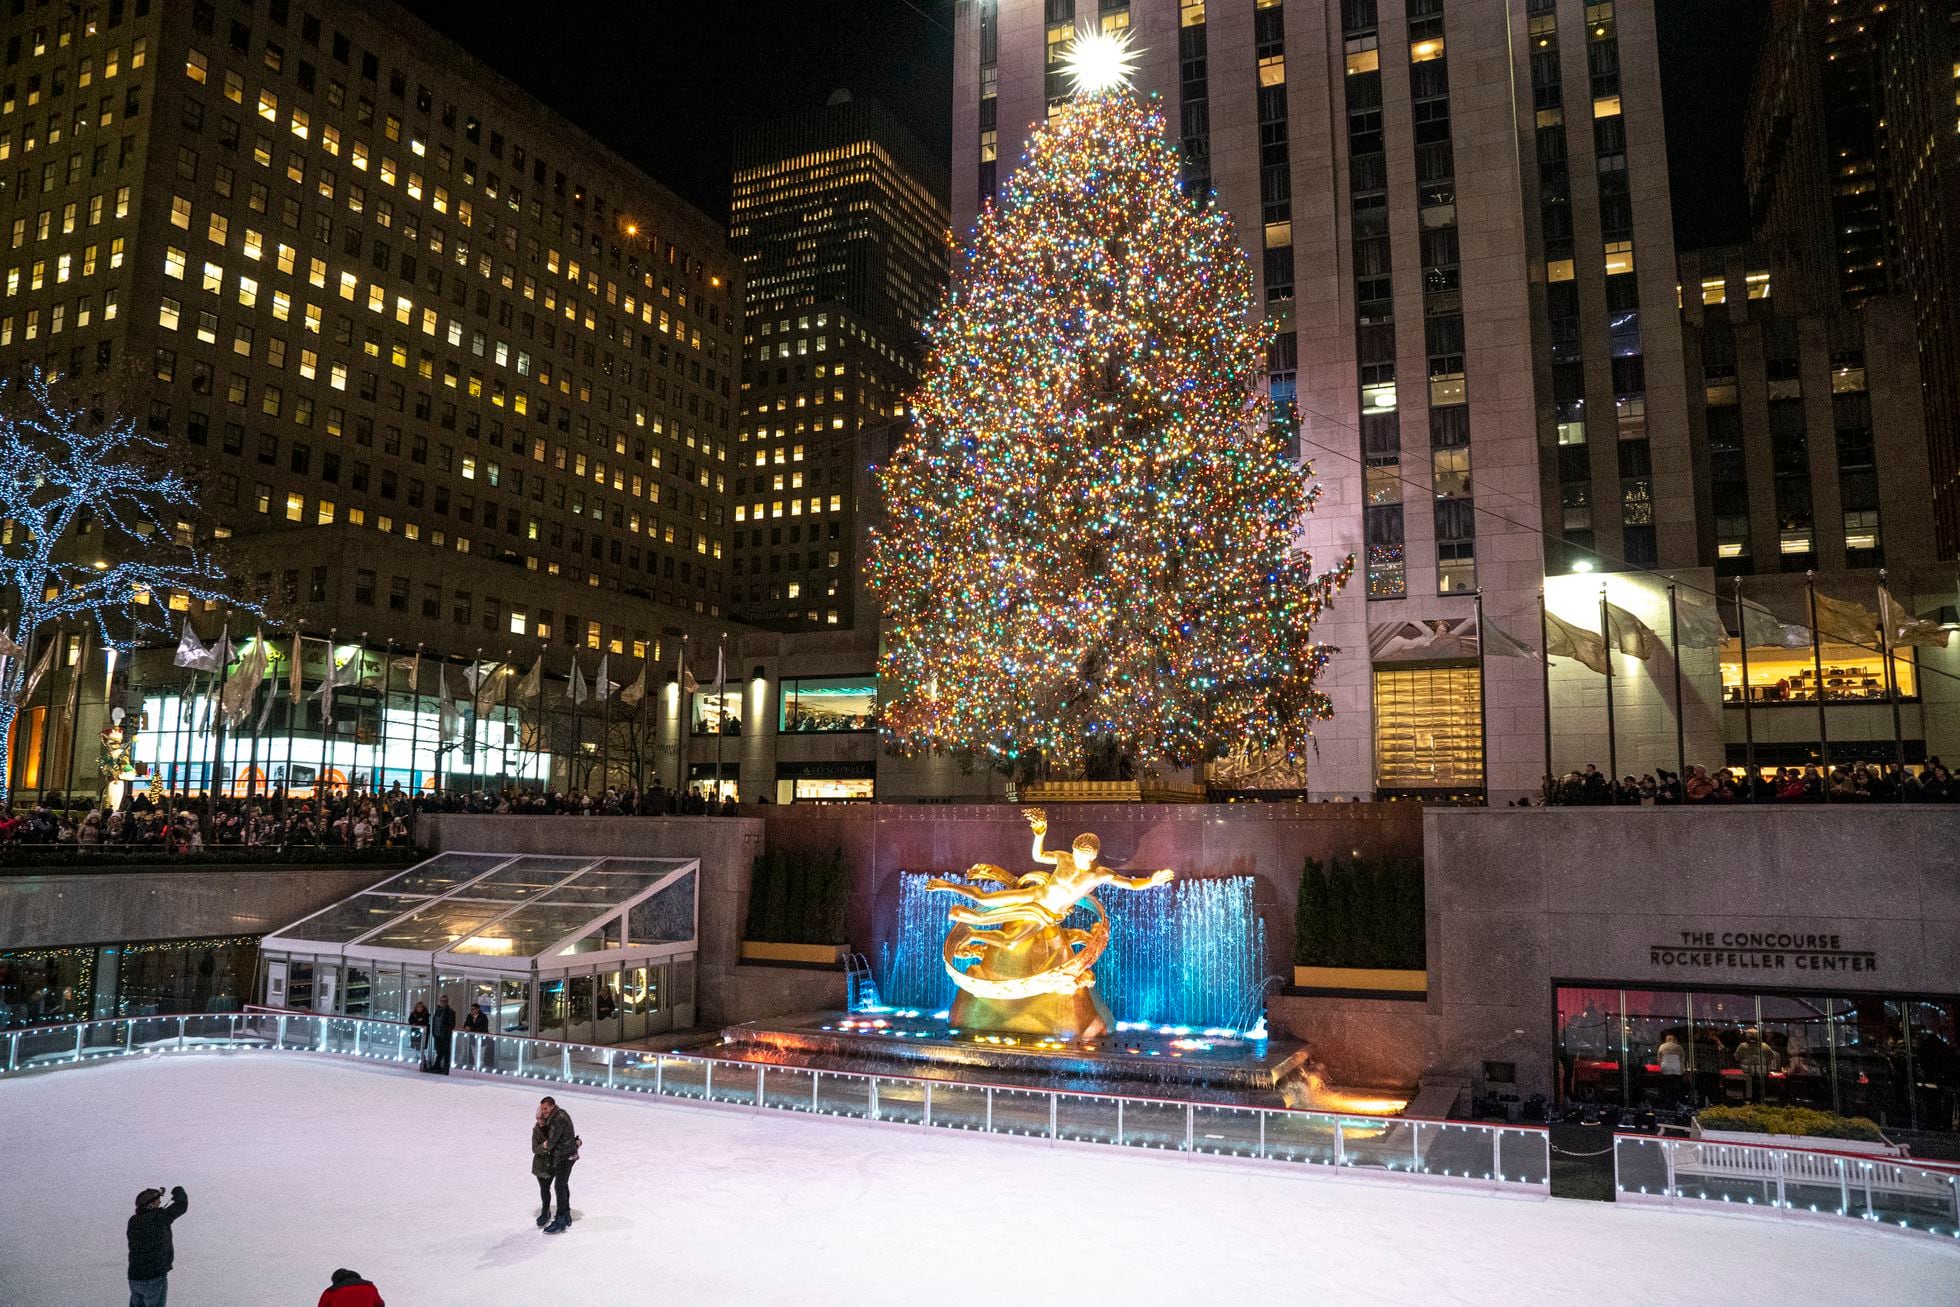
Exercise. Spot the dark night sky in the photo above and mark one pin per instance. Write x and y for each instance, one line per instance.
(667, 83)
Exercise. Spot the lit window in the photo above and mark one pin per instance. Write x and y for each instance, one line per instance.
(1272, 70)
(1606, 106)
(173, 263)
(1421, 52)
(1365, 60)
(1559, 270)
(323, 516)
(1714, 290)
(295, 506)
(196, 66)
(168, 313)
(1757, 284)
(1378, 397)
(1619, 257)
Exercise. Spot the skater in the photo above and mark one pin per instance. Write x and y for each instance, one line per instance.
(554, 1148)
(477, 1022)
(442, 1029)
(350, 1290)
(151, 1252)
(418, 1034)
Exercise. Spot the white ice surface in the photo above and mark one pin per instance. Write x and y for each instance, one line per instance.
(297, 1165)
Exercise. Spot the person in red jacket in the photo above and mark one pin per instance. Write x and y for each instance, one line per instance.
(350, 1290)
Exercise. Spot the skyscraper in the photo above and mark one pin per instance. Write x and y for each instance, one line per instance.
(1461, 227)
(839, 221)
(1853, 171)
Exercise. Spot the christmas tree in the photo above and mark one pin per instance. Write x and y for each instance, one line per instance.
(1092, 541)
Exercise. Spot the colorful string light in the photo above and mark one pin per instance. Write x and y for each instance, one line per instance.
(1092, 539)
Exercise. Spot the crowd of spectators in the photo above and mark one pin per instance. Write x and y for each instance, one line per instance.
(1857, 782)
(184, 823)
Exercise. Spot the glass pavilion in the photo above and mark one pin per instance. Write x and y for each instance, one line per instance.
(589, 949)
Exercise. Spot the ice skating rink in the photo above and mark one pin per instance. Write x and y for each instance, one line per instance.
(298, 1165)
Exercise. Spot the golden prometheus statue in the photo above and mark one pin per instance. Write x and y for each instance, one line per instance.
(1031, 974)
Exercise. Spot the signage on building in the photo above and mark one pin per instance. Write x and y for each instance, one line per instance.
(1761, 950)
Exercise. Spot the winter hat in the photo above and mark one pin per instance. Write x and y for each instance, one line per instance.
(148, 1197)
(344, 1277)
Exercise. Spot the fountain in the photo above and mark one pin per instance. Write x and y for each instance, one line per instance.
(1043, 976)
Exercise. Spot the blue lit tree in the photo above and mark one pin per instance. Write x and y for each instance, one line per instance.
(64, 469)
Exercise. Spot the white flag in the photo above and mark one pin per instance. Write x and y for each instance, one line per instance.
(1574, 642)
(601, 687)
(1631, 636)
(339, 676)
(236, 700)
(195, 654)
(575, 688)
(1697, 624)
(40, 668)
(1501, 643)
(635, 694)
(8, 649)
(1901, 627)
(265, 713)
(1762, 629)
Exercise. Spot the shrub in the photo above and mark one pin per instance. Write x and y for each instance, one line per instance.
(1360, 912)
(799, 898)
(1758, 1119)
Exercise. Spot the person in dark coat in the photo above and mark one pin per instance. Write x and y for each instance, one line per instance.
(442, 1025)
(418, 1020)
(151, 1250)
(554, 1148)
(350, 1290)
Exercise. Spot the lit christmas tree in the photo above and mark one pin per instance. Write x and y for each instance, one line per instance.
(1092, 539)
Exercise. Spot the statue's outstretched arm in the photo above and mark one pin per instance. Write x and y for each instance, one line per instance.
(1144, 881)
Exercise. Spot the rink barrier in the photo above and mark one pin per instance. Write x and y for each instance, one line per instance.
(1507, 1158)
(1775, 1179)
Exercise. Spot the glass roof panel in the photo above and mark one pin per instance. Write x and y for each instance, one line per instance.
(640, 866)
(524, 878)
(534, 928)
(442, 873)
(437, 926)
(610, 889)
(349, 919)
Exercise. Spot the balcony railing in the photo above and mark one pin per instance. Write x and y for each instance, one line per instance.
(1780, 1180)
(1508, 1158)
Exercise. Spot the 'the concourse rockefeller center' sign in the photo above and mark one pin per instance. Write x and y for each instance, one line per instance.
(1761, 950)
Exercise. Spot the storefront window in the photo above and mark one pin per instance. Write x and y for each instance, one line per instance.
(44, 986)
(1895, 1061)
(718, 712)
(825, 789)
(829, 703)
(1851, 674)
(199, 975)
(1428, 735)
(701, 776)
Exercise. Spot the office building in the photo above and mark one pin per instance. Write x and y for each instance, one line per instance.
(1852, 167)
(447, 372)
(1460, 224)
(839, 221)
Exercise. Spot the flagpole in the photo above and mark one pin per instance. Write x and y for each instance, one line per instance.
(323, 779)
(1545, 665)
(218, 736)
(605, 723)
(295, 698)
(75, 717)
(414, 726)
(379, 769)
(1483, 698)
(721, 716)
(1680, 709)
(681, 726)
(1817, 668)
(1885, 606)
(504, 765)
(1748, 725)
(574, 763)
(1612, 738)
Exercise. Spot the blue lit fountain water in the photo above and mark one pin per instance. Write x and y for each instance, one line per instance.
(1189, 954)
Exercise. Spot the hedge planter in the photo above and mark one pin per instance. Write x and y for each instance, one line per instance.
(1362, 980)
(802, 955)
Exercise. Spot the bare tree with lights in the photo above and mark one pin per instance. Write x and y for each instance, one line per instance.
(63, 469)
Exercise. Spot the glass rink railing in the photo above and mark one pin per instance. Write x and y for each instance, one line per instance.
(1894, 1192)
(1510, 1158)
